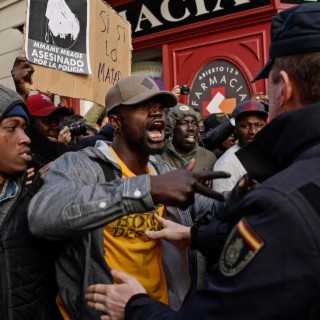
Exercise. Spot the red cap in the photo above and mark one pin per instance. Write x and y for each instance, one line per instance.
(252, 107)
(40, 105)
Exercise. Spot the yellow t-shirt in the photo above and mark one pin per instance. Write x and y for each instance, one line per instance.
(127, 248)
(62, 309)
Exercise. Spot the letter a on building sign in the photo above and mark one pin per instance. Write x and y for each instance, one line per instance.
(57, 34)
(79, 48)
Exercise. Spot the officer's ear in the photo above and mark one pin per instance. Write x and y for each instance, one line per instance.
(290, 95)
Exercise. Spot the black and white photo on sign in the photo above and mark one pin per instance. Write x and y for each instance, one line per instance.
(57, 34)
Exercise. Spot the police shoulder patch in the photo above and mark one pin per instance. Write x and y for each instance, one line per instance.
(241, 247)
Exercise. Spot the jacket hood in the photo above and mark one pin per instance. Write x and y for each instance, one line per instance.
(177, 113)
(279, 143)
(9, 99)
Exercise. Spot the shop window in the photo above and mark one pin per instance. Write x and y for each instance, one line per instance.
(152, 69)
(149, 63)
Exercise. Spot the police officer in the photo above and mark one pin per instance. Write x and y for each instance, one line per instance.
(269, 266)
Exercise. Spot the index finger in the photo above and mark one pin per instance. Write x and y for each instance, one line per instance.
(209, 175)
(156, 234)
(97, 288)
(65, 129)
(161, 220)
(190, 165)
(120, 276)
(208, 192)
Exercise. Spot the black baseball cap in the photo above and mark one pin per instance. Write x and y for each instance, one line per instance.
(293, 31)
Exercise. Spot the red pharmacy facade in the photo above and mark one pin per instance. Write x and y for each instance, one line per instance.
(214, 46)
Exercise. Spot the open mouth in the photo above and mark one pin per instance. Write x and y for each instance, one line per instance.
(191, 139)
(156, 131)
(26, 156)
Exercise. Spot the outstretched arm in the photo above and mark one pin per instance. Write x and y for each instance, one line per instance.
(209, 239)
(73, 199)
(177, 188)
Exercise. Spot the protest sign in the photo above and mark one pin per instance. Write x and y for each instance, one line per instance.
(79, 48)
(58, 35)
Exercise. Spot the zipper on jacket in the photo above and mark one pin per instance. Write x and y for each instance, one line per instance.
(3, 262)
(4, 281)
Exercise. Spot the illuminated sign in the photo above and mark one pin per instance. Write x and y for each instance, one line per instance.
(296, 1)
(148, 17)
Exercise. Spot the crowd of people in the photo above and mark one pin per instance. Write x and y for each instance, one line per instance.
(142, 209)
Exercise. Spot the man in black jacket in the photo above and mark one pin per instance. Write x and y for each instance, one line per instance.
(26, 290)
(269, 266)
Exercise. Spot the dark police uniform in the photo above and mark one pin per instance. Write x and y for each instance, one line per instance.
(270, 264)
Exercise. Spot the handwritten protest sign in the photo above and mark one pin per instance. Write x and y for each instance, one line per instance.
(81, 54)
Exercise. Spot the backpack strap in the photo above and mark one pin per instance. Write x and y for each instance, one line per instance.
(108, 171)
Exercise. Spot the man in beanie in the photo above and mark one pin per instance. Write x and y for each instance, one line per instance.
(250, 117)
(48, 139)
(27, 286)
(269, 267)
(182, 132)
(103, 223)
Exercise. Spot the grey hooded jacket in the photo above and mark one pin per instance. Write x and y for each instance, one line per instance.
(75, 203)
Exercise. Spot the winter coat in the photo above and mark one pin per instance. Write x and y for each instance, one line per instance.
(272, 256)
(27, 286)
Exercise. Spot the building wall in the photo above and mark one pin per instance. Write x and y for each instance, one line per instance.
(12, 15)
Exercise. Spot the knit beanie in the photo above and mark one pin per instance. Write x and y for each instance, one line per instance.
(176, 114)
(17, 111)
(10, 99)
